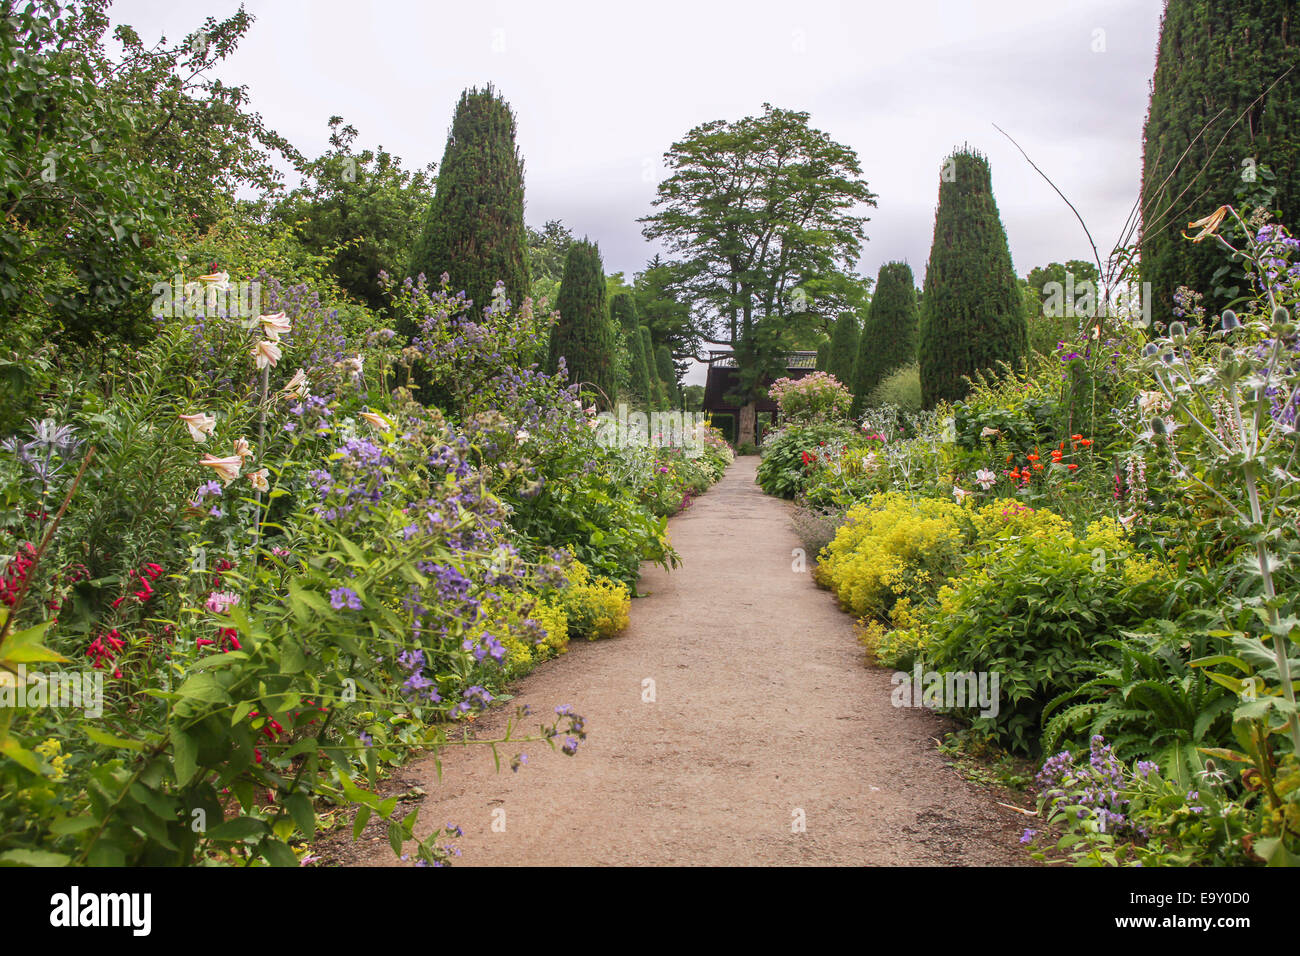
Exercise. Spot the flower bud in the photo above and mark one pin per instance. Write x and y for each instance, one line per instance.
(1281, 315)
(1177, 330)
(1230, 320)
(1158, 425)
(1150, 350)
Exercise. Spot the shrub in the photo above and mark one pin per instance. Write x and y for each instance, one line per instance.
(596, 606)
(1033, 605)
(788, 453)
(901, 387)
(891, 548)
(819, 397)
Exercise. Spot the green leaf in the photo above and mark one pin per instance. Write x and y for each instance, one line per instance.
(292, 658)
(359, 824)
(240, 829)
(303, 813)
(25, 857)
(108, 740)
(15, 752)
(277, 853)
(204, 687)
(185, 754)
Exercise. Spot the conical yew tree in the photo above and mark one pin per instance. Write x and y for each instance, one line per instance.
(972, 316)
(474, 231)
(583, 335)
(1225, 98)
(843, 348)
(667, 375)
(889, 333)
(639, 375)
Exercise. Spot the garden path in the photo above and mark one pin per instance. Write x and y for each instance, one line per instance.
(762, 709)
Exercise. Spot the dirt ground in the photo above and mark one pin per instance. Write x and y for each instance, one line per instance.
(764, 718)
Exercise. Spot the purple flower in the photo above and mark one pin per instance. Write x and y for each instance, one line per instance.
(344, 597)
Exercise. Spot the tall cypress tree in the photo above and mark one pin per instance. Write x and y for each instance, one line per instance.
(475, 230)
(622, 309)
(667, 375)
(1215, 113)
(583, 335)
(843, 348)
(823, 355)
(972, 315)
(640, 377)
(889, 333)
(657, 397)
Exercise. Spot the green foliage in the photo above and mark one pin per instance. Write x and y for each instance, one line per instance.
(787, 453)
(1149, 701)
(893, 548)
(753, 208)
(100, 166)
(843, 347)
(668, 376)
(639, 378)
(583, 337)
(1221, 105)
(360, 210)
(888, 335)
(900, 388)
(474, 231)
(622, 310)
(972, 314)
(1033, 607)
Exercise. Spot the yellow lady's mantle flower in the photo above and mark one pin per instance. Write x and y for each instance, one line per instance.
(1207, 225)
(200, 425)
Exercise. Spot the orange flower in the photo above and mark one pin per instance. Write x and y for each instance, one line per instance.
(1071, 467)
(1085, 442)
(1009, 457)
(1037, 467)
(1032, 457)
(1074, 438)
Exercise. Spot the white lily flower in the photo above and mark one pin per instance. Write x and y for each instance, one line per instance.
(227, 469)
(200, 425)
(379, 421)
(297, 385)
(266, 353)
(985, 479)
(522, 436)
(258, 478)
(275, 325)
(959, 493)
(242, 448)
(221, 280)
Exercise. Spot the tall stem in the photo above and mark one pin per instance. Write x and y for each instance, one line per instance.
(1279, 640)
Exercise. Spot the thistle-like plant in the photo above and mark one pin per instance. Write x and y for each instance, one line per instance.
(1235, 389)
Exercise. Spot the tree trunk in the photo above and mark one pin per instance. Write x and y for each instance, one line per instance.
(745, 434)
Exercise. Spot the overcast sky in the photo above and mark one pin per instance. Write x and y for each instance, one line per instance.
(602, 89)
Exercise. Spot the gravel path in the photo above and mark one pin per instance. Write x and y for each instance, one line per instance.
(764, 715)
